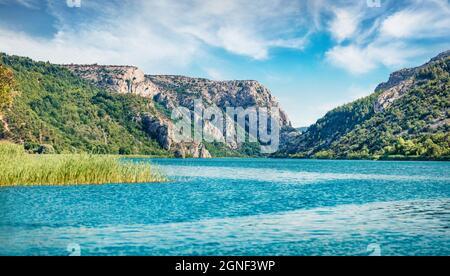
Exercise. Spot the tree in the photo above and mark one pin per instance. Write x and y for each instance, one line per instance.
(6, 87)
(433, 150)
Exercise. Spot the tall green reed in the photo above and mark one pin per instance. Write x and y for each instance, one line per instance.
(19, 168)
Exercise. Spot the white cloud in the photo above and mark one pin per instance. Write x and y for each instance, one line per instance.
(161, 34)
(89, 47)
(237, 41)
(344, 24)
(241, 27)
(416, 23)
(351, 58)
(165, 36)
(393, 39)
(363, 59)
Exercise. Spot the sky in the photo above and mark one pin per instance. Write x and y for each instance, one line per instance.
(313, 55)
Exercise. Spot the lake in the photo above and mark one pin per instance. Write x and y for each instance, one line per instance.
(239, 207)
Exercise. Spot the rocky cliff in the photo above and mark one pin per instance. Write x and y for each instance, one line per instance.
(168, 92)
(400, 82)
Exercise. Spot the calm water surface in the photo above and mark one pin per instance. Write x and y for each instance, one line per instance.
(240, 207)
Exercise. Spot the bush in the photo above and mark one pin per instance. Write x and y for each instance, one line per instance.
(125, 151)
(325, 154)
(45, 149)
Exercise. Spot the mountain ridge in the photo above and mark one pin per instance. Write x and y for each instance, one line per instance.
(406, 117)
(128, 97)
(120, 109)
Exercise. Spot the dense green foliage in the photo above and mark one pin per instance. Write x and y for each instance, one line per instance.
(247, 149)
(57, 111)
(416, 126)
(6, 87)
(19, 168)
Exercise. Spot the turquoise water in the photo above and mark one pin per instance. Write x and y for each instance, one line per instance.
(240, 207)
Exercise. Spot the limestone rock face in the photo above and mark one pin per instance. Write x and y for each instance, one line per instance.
(169, 92)
(203, 152)
(160, 130)
(387, 98)
(182, 91)
(193, 150)
(396, 78)
(120, 79)
(400, 82)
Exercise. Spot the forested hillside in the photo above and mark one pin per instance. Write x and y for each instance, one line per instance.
(407, 117)
(55, 111)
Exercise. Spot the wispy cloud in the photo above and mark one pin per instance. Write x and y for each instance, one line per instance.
(392, 39)
(165, 35)
(424, 21)
(161, 36)
(344, 24)
(31, 4)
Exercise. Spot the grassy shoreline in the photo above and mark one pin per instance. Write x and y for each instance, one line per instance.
(18, 168)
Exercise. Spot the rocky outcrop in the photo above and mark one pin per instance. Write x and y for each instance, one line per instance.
(162, 130)
(395, 79)
(120, 79)
(159, 129)
(387, 98)
(169, 92)
(203, 152)
(193, 150)
(400, 82)
(182, 91)
(403, 75)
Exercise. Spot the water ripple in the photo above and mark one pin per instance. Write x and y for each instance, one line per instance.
(342, 230)
(284, 176)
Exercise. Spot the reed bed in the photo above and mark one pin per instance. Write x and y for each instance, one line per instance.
(20, 169)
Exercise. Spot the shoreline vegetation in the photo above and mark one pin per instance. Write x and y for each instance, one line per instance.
(373, 158)
(19, 168)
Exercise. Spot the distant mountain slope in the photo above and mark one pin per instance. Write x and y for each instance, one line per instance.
(406, 117)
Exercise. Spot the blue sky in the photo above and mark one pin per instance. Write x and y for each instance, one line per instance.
(312, 54)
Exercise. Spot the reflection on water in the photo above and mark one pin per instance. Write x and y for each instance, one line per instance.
(226, 207)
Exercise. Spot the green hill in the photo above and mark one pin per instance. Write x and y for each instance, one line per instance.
(54, 110)
(407, 117)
